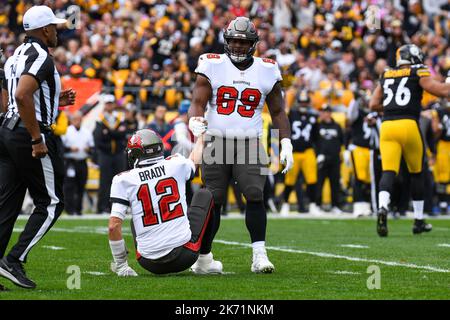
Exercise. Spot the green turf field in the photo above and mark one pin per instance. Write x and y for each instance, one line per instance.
(314, 259)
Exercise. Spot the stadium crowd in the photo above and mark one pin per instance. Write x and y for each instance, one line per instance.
(145, 53)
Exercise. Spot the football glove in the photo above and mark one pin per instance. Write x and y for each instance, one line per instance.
(197, 125)
(286, 156)
(320, 159)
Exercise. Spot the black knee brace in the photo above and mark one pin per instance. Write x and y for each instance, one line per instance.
(256, 220)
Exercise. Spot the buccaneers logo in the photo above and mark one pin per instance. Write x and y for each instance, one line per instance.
(135, 142)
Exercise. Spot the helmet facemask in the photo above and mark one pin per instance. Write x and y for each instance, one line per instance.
(243, 29)
(238, 57)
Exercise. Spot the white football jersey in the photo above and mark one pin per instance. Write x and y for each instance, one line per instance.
(238, 96)
(156, 195)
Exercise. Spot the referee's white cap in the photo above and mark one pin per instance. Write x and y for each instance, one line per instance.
(40, 16)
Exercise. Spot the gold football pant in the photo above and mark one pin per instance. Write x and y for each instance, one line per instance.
(442, 167)
(401, 138)
(306, 163)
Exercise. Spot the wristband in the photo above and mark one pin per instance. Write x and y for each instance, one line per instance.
(37, 141)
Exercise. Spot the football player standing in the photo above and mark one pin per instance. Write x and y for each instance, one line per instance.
(399, 95)
(232, 88)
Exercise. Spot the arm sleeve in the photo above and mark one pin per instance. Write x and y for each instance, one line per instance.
(353, 111)
(118, 210)
(188, 167)
(204, 67)
(40, 66)
(119, 191)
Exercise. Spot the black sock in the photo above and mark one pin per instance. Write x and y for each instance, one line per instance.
(211, 230)
(256, 221)
(287, 191)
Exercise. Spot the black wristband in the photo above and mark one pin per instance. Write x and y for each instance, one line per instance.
(37, 141)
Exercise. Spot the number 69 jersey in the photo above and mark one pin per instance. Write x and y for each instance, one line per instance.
(156, 195)
(238, 96)
(402, 92)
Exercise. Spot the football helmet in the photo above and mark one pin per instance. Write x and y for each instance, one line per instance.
(303, 100)
(143, 145)
(240, 28)
(409, 54)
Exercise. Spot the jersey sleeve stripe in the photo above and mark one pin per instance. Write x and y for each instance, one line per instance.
(39, 62)
(423, 73)
(121, 201)
(202, 74)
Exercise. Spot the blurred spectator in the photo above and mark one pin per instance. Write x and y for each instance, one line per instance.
(78, 143)
(329, 138)
(161, 127)
(110, 142)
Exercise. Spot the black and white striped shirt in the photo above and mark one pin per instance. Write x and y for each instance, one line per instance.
(32, 58)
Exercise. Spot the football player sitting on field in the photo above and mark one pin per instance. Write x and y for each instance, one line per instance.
(167, 234)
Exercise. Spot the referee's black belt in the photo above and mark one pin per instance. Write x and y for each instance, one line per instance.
(43, 127)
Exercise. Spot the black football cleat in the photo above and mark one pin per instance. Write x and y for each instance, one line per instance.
(16, 274)
(382, 228)
(421, 226)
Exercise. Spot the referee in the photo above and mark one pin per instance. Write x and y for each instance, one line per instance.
(28, 151)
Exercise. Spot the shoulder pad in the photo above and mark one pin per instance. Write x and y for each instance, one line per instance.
(173, 156)
(422, 70)
(268, 63)
(267, 60)
(211, 57)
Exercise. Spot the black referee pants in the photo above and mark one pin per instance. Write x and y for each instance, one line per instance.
(44, 180)
(329, 169)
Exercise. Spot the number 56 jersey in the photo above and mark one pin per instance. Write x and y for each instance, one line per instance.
(156, 195)
(402, 92)
(238, 96)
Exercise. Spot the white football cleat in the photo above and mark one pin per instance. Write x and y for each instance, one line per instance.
(261, 263)
(361, 209)
(285, 209)
(336, 210)
(205, 264)
(314, 209)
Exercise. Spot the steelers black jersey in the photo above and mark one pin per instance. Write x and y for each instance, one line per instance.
(402, 93)
(444, 118)
(360, 131)
(302, 125)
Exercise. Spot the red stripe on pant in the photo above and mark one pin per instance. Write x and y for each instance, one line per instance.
(195, 246)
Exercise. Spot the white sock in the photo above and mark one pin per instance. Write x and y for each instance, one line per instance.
(384, 198)
(258, 245)
(206, 256)
(418, 209)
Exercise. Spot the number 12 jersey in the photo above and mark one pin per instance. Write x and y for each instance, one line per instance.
(156, 195)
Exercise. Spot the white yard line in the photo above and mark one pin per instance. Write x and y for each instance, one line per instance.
(313, 253)
(238, 216)
(344, 272)
(336, 256)
(53, 248)
(95, 273)
(356, 246)
(445, 245)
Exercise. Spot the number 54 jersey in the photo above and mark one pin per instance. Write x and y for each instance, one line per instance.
(156, 195)
(238, 96)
